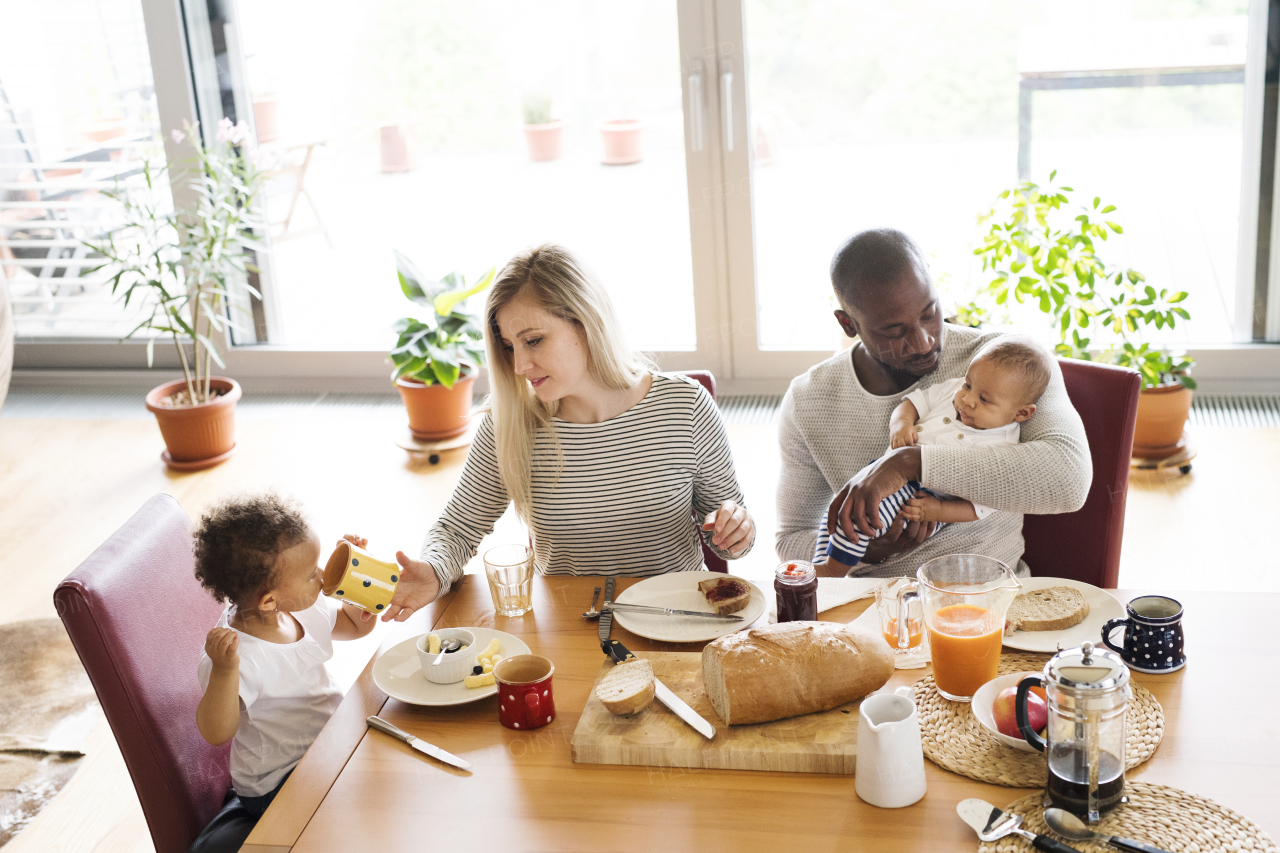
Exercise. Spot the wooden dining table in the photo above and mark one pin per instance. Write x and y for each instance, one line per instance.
(357, 789)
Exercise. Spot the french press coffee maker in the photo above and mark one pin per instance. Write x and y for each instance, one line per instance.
(1088, 693)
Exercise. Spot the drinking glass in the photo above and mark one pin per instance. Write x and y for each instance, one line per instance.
(913, 651)
(509, 569)
(965, 598)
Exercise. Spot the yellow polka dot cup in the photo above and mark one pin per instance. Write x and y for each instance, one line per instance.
(352, 575)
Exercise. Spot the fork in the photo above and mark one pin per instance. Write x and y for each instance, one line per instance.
(593, 613)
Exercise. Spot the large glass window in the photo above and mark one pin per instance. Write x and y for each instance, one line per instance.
(908, 115)
(77, 114)
(459, 133)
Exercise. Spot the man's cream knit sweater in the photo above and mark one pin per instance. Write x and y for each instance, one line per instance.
(831, 428)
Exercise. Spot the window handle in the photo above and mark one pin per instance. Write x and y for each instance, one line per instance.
(695, 107)
(726, 86)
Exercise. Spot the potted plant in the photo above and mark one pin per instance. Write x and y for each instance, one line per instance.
(621, 139)
(543, 135)
(436, 358)
(1043, 254)
(181, 265)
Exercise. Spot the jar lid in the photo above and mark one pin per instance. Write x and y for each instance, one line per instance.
(1087, 669)
(795, 571)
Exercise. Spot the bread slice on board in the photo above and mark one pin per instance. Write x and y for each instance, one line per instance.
(628, 688)
(1050, 609)
(792, 668)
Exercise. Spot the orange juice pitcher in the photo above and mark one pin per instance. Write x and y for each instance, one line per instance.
(965, 598)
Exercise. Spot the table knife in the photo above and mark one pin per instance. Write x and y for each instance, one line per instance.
(417, 743)
(619, 653)
(606, 615)
(667, 611)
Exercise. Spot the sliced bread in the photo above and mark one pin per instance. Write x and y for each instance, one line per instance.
(627, 688)
(1050, 609)
(726, 595)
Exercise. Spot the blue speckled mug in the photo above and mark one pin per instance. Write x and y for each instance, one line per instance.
(1153, 640)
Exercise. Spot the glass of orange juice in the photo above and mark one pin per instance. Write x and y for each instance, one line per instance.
(964, 599)
(912, 650)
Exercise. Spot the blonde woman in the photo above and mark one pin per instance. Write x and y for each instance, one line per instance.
(603, 457)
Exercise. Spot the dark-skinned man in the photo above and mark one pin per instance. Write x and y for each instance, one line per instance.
(835, 427)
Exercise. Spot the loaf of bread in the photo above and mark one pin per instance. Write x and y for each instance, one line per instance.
(1050, 609)
(627, 688)
(792, 668)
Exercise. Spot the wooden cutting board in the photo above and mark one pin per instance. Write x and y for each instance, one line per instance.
(656, 737)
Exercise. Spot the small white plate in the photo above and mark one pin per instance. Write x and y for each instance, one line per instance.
(1102, 607)
(398, 673)
(679, 590)
(981, 705)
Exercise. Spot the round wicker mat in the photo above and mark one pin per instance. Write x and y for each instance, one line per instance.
(955, 740)
(1155, 814)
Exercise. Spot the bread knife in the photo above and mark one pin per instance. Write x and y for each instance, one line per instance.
(619, 653)
(417, 743)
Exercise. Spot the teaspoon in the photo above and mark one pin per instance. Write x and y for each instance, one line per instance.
(451, 644)
(1069, 826)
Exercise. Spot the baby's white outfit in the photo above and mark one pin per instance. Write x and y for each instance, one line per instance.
(286, 697)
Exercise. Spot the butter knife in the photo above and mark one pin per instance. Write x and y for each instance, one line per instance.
(991, 824)
(417, 743)
(667, 611)
(681, 708)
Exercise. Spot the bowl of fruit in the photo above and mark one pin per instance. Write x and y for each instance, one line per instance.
(994, 706)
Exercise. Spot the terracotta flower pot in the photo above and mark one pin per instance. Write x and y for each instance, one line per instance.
(621, 141)
(395, 150)
(1162, 416)
(266, 119)
(198, 436)
(545, 141)
(437, 412)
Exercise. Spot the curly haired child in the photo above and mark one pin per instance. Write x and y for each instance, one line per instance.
(266, 687)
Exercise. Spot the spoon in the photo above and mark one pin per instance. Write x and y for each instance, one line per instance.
(593, 613)
(1069, 826)
(450, 644)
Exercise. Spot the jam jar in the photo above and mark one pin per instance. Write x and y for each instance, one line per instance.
(795, 582)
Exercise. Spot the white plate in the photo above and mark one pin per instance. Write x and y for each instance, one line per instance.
(1102, 606)
(679, 590)
(398, 673)
(986, 696)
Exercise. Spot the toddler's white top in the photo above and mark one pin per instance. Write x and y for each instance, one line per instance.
(286, 697)
(939, 425)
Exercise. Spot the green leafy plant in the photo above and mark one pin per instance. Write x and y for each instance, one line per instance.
(1040, 253)
(435, 350)
(181, 264)
(537, 109)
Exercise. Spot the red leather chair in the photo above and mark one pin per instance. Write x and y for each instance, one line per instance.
(714, 562)
(1085, 545)
(138, 619)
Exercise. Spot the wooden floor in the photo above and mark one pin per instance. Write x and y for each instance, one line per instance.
(65, 485)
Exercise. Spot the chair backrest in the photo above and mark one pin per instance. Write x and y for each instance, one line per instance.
(138, 619)
(1085, 545)
(713, 561)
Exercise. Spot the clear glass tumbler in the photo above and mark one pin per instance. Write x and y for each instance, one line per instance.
(509, 570)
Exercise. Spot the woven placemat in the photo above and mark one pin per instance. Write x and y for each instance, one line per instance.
(1154, 814)
(955, 740)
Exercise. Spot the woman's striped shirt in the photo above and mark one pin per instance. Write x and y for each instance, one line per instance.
(624, 498)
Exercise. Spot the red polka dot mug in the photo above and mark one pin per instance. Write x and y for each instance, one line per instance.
(525, 699)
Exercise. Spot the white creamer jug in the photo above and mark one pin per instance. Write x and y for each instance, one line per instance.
(890, 762)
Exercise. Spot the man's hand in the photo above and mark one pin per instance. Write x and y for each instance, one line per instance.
(902, 536)
(857, 506)
(923, 507)
(734, 529)
(419, 585)
(905, 437)
(222, 646)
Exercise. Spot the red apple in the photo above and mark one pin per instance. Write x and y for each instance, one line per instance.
(1004, 712)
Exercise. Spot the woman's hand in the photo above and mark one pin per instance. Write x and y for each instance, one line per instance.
(734, 529)
(419, 585)
(359, 542)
